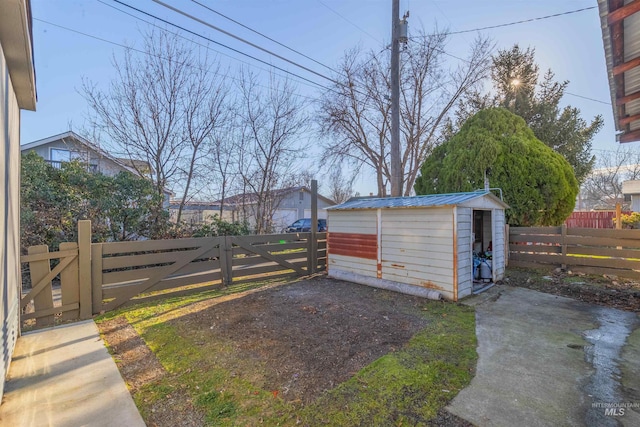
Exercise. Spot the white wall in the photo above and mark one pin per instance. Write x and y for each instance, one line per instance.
(9, 219)
(499, 244)
(465, 258)
(352, 222)
(417, 247)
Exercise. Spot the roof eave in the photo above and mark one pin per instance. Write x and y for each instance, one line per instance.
(16, 42)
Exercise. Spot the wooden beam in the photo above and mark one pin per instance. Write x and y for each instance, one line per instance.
(632, 136)
(626, 66)
(628, 98)
(623, 12)
(616, 31)
(626, 120)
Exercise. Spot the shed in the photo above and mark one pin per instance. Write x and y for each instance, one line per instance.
(417, 245)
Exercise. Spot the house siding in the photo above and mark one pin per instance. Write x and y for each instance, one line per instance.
(9, 219)
(416, 248)
(499, 242)
(104, 165)
(465, 259)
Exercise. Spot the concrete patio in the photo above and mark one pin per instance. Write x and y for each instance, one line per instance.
(64, 376)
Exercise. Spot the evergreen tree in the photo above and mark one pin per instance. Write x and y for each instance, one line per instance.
(518, 88)
(538, 183)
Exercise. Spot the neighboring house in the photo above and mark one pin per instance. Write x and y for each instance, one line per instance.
(68, 146)
(17, 91)
(631, 190)
(198, 212)
(602, 189)
(290, 204)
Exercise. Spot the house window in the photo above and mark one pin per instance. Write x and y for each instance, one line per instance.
(61, 155)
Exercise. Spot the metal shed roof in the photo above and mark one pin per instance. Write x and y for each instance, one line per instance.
(431, 200)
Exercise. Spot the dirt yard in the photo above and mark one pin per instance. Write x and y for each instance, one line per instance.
(312, 336)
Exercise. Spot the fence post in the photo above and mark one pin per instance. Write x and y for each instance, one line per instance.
(507, 250)
(96, 278)
(84, 268)
(563, 242)
(226, 259)
(618, 216)
(313, 248)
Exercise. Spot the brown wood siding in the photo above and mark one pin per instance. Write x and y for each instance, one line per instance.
(354, 244)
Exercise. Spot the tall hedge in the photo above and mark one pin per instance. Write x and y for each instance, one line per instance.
(538, 184)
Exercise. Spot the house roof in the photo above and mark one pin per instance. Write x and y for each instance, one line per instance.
(430, 200)
(620, 23)
(250, 198)
(17, 46)
(80, 140)
(197, 205)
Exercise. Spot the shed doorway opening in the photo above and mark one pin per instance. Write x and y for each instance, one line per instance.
(482, 250)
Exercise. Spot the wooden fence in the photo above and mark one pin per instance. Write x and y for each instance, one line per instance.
(103, 276)
(595, 219)
(592, 251)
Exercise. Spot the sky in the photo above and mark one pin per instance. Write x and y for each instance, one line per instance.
(570, 45)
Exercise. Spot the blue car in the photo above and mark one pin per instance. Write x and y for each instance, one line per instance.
(304, 226)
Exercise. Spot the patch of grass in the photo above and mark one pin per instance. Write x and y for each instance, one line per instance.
(405, 387)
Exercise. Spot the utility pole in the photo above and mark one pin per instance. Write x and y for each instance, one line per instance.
(396, 169)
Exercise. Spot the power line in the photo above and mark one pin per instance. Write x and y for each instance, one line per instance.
(220, 44)
(261, 34)
(183, 13)
(348, 20)
(315, 85)
(587, 98)
(524, 20)
(143, 52)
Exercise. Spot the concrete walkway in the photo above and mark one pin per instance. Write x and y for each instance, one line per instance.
(551, 361)
(64, 376)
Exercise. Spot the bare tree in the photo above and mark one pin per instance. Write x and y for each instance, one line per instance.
(602, 188)
(272, 126)
(340, 187)
(355, 113)
(161, 108)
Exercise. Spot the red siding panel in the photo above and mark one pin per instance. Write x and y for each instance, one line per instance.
(353, 244)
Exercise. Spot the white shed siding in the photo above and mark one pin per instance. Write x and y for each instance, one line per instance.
(416, 247)
(360, 221)
(9, 219)
(465, 260)
(362, 266)
(498, 244)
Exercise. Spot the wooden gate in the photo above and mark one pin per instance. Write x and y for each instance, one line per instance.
(99, 277)
(70, 298)
(123, 271)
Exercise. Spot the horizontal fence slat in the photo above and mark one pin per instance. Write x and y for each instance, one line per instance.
(252, 271)
(553, 238)
(48, 255)
(535, 230)
(551, 249)
(601, 241)
(50, 311)
(605, 252)
(600, 232)
(531, 264)
(274, 238)
(143, 273)
(602, 262)
(124, 261)
(541, 258)
(158, 245)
